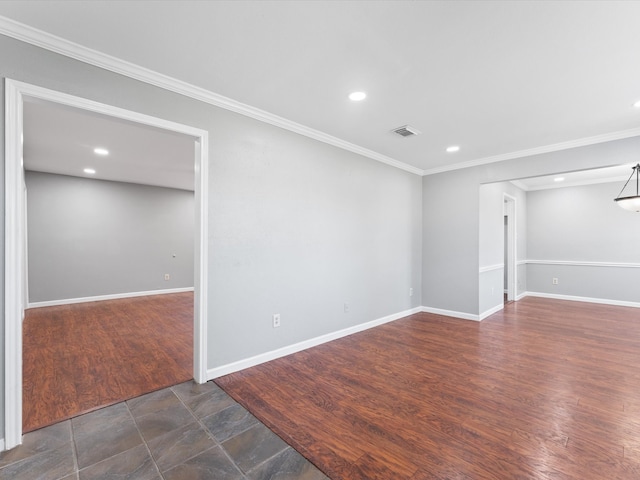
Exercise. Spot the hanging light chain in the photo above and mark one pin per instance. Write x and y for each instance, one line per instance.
(635, 170)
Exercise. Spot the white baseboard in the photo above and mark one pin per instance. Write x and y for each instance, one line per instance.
(521, 296)
(573, 298)
(115, 296)
(297, 347)
(451, 313)
(490, 312)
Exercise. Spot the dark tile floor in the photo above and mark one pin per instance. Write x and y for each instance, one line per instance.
(188, 431)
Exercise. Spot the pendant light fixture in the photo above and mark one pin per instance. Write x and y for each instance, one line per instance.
(632, 202)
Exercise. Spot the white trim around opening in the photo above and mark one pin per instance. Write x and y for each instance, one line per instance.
(15, 254)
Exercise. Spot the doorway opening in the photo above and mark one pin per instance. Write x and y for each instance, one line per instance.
(16, 286)
(510, 267)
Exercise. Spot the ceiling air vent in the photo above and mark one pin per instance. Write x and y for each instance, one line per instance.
(406, 131)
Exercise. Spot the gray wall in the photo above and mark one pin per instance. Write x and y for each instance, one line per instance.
(582, 225)
(451, 225)
(89, 237)
(450, 241)
(297, 227)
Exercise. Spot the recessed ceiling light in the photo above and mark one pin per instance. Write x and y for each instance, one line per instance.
(637, 104)
(357, 96)
(89, 170)
(453, 148)
(101, 151)
(558, 179)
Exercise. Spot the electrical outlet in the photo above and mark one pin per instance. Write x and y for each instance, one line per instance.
(554, 281)
(346, 308)
(167, 276)
(411, 292)
(276, 320)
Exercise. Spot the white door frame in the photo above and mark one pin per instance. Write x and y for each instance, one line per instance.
(15, 238)
(511, 246)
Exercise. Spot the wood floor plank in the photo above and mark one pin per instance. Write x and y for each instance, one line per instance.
(544, 389)
(84, 356)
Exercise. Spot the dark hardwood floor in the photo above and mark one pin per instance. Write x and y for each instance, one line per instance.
(80, 357)
(546, 389)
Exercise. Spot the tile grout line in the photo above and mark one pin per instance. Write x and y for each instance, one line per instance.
(74, 449)
(260, 422)
(202, 425)
(272, 431)
(224, 450)
(119, 453)
(207, 431)
(144, 441)
(274, 456)
(288, 443)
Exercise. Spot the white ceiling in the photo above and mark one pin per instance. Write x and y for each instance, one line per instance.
(61, 140)
(498, 78)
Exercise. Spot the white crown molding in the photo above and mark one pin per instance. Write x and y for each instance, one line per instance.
(581, 142)
(59, 45)
(583, 264)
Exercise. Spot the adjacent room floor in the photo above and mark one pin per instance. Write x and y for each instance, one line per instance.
(84, 356)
